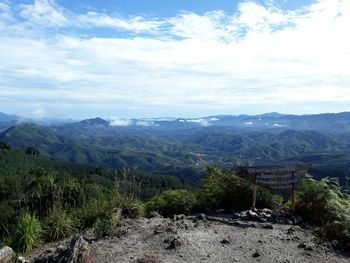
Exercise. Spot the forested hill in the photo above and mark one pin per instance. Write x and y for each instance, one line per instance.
(183, 152)
(20, 169)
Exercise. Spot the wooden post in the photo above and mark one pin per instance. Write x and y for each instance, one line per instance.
(293, 193)
(254, 193)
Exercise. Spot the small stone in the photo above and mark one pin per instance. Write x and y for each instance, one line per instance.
(202, 217)
(309, 248)
(290, 230)
(267, 211)
(252, 215)
(289, 222)
(22, 260)
(268, 226)
(302, 245)
(236, 216)
(50, 250)
(262, 220)
(256, 254)
(6, 254)
(61, 248)
(225, 241)
(275, 214)
(174, 244)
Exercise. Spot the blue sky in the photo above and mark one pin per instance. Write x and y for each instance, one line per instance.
(143, 58)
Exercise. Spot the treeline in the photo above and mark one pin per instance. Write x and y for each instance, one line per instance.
(42, 199)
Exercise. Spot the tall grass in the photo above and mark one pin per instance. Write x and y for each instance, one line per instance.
(58, 225)
(28, 233)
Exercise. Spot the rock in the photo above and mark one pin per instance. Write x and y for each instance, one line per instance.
(262, 220)
(61, 248)
(6, 254)
(252, 215)
(267, 226)
(305, 226)
(290, 230)
(77, 252)
(225, 241)
(256, 254)
(299, 219)
(265, 215)
(50, 250)
(236, 216)
(22, 260)
(175, 243)
(289, 222)
(202, 217)
(275, 214)
(267, 211)
(148, 259)
(220, 211)
(179, 217)
(244, 214)
(309, 248)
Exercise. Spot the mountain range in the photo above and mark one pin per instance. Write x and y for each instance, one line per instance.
(184, 147)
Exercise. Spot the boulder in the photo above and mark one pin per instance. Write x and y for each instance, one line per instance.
(22, 260)
(179, 217)
(266, 211)
(77, 251)
(202, 217)
(6, 254)
(252, 215)
(236, 215)
(175, 243)
(275, 214)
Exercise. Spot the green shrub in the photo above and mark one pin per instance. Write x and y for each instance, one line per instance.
(28, 233)
(227, 191)
(103, 227)
(58, 225)
(87, 215)
(133, 208)
(323, 203)
(152, 214)
(172, 202)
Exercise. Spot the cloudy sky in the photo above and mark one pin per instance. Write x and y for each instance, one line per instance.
(181, 58)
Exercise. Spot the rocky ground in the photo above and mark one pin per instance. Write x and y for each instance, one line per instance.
(243, 237)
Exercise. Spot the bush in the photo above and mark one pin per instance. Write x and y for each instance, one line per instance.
(172, 202)
(323, 203)
(133, 208)
(58, 225)
(28, 233)
(227, 191)
(86, 216)
(104, 226)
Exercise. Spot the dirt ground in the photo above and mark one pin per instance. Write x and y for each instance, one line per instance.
(165, 240)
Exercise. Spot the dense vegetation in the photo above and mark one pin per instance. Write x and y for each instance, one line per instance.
(42, 199)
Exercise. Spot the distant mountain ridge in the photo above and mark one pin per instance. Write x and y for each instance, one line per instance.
(325, 122)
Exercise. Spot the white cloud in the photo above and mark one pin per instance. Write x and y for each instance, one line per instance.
(120, 122)
(137, 23)
(39, 113)
(44, 13)
(145, 123)
(261, 57)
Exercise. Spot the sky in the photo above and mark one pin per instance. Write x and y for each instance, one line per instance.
(179, 58)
